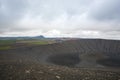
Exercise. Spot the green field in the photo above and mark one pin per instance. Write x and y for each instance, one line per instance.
(7, 42)
(5, 47)
(10, 44)
(40, 43)
(36, 42)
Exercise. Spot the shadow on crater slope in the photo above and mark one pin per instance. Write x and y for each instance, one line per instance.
(69, 59)
(110, 62)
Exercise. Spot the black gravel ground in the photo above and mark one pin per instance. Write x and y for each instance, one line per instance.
(47, 72)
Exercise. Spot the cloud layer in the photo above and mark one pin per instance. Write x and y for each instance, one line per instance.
(60, 18)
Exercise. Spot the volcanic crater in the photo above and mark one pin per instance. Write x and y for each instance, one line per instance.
(72, 53)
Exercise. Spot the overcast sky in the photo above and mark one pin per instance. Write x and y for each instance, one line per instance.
(60, 18)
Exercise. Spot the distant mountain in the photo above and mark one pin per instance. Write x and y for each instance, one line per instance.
(39, 37)
(24, 37)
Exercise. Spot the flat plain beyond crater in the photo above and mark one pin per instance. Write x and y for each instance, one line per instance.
(73, 59)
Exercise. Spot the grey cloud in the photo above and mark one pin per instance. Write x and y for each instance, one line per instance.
(106, 10)
(11, 11)
(51, 9)
(90, 18)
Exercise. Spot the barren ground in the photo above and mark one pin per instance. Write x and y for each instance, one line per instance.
(69, 60)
